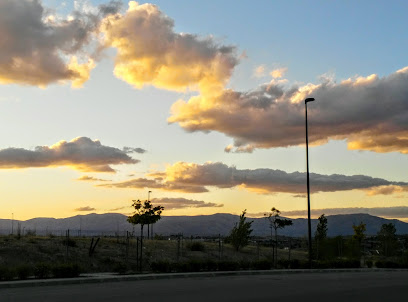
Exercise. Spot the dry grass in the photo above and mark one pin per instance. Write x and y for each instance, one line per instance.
(112, 254)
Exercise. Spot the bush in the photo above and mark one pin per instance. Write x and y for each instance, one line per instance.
(24, 271)
(42, 270)
(196, 246)
(7, 273)
(289, 264)
(369, 263)
(337, 263)
(69, 270)
(228, 266)
(262, 265)
(161, 266)
(120, 268)
(70, 242)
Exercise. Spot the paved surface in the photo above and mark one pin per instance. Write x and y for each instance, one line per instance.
(333, 286)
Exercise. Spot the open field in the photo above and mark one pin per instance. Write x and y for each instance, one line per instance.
(119, 254)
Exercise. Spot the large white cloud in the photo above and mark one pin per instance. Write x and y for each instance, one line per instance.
(149, 51)
(370, 113)
(81, 153)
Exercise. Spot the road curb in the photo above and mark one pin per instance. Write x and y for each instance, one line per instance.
(102, 278)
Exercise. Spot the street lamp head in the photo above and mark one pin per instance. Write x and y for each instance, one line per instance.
(309, 100)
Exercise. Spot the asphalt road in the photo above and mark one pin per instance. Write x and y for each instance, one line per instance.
(328, 287)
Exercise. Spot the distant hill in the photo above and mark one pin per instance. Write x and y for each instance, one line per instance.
(110, 224)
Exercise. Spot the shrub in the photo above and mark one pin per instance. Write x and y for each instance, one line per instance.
(228, 266)
(7, 273)
(289, 264)
(120, 268)
(161, 266)
(70, 242)
(369, 263)
(42, 270)
(68, 270)
(262, 265)
(196, 246)
(24, 271)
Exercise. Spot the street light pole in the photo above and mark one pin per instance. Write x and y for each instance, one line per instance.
(308, 186)
(148, 198)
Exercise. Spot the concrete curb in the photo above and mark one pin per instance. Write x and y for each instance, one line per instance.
(101, 278)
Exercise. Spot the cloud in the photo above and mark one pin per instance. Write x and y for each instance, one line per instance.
(370, 113)
(259, 71)
(196, 178)
(392, 212)
(90, 178)
(144, 183)
(149, 51)
(386, 190)
(84, 209)
(39, 48)
(183, 203)
(134, 150)
(279, 72)
(81, 153)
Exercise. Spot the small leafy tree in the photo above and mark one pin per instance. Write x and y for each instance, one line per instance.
(388, 239)
(145, 213)
(276, 222)
(321, 235)
(239, 236)
(359, 235)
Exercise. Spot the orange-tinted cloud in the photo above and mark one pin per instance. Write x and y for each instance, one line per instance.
(150, 52)
(90, 178)
(183, 203)
(157, 183)
(369, 113)
(85, 209)
(81, 153)
(38, 48)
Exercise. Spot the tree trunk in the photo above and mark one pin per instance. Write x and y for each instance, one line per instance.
(276, 247)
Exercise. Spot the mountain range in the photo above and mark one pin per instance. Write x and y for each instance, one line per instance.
(203, 225)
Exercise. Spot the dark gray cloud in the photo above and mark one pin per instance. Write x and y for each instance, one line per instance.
(196, 178)
(39, 48)
(134, 150)
(267, 180)
(369, 113)
(85, 209)
(81, 153)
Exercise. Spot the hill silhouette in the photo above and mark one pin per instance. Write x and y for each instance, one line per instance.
(112, 223)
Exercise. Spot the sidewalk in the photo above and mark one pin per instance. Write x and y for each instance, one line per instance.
(111, 277)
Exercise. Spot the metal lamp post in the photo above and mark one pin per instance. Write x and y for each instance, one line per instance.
(308, 187)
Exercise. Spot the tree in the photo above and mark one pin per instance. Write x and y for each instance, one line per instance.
(239, 236)
(276, 222)
(359, 235)
(388, 239)
(321, 229)
(145, 213)
(321, 235)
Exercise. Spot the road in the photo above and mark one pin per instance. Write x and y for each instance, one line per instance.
(328, 287)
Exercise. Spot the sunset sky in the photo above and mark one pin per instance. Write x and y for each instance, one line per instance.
(201, 103)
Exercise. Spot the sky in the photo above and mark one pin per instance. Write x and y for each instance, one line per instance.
(202, 104)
